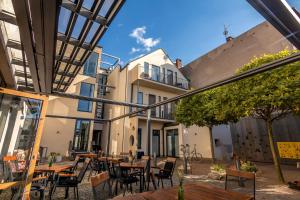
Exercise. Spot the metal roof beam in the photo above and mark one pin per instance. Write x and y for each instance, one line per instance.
(115, 7)
(83, 34)
(8, 17)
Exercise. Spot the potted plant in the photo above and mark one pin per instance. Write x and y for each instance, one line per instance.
(180, 175)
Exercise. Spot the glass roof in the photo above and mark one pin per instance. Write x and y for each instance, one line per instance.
(11, 36)
(79, 28)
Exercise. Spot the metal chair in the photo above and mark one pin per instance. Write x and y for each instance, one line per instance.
(167, 171)
(67, 180)
(240, 174)
(124, 179)
(98, 183)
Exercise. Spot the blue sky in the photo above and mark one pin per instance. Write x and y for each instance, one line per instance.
(185, 29)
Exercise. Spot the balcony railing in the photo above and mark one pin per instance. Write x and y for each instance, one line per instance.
(159, 113)
(164, 79)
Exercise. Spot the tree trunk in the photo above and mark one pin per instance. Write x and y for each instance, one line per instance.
(274, 155)
(212, 144)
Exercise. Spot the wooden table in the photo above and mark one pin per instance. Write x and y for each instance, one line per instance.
(140, 165)
(114, 160)
(197, 191)
(87, 155)
(54, 168)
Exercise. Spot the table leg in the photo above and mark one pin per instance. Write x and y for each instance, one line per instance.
(141, 180)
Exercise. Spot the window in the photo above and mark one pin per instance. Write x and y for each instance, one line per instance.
(176, 78)
(155, 73)
(152, 100)
(169, 77)
(140, 98)
(81, 135)
(86, 90)
(90, 66)
(146, 68)
(139, 138)
(102, 80)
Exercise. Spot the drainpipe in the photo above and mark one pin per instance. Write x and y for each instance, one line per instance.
(108, 137)
(149, 130)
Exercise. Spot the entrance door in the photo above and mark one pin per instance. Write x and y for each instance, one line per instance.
(172, 143)
(156, 142)
(96, 140)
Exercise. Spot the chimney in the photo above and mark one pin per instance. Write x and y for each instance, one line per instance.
(178, 63)
(229, 38)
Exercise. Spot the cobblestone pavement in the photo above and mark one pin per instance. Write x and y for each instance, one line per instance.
(267, 185)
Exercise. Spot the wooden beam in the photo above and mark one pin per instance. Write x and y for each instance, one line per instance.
(23, 21)
(35, 150)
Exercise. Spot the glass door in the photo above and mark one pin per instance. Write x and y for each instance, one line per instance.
(21, 123)
(172, 143)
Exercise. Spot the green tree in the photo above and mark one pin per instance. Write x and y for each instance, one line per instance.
(202, 110)
(268, 96)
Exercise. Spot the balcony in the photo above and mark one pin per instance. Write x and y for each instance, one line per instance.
(159, 80)
(165, 113)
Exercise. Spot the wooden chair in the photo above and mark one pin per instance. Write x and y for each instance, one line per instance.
(240, 174)
(98, 183)
(12, 173)
(167, 171)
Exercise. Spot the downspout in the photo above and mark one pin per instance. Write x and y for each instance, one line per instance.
(126, 82)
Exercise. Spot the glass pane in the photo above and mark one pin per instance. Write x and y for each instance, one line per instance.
(92, 32)
(88, 91)
(81, 135)
(63, 20)
(19, 117)
(155, 73)
(87, 4)
(91, 64)
(106, 6)
(78, 26)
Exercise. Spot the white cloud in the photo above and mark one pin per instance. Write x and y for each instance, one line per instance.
(134, 50)
(147, 43)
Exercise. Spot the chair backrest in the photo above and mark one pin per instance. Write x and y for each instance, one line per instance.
(75, 163)
(83, 170)
(237, 173)
(240, 174)
(173, 160)
(145, 157)
(97, 182)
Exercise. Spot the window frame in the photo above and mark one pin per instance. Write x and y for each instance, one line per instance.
(92, 90)
(86, 66)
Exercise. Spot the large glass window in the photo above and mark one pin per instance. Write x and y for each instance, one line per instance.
(81, 135)
(152, 100)
(155, 73)
(86, 90)
(169, 77)
(140, 97)
(90, 66)
(146, 68)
